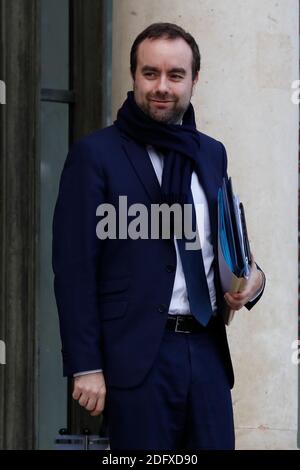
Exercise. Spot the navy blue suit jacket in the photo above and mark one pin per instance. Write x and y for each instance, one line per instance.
(113, 295)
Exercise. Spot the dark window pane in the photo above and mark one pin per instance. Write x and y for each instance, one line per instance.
(52, 386)
(55, 44)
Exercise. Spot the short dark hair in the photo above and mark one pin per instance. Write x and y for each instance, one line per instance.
(167, 31)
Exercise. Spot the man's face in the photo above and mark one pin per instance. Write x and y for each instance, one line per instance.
(163, 83)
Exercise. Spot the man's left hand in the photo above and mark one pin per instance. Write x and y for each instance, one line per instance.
(253, 284)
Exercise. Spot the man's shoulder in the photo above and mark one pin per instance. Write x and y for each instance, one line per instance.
(210, 142)
(106, 136)
(95, 148)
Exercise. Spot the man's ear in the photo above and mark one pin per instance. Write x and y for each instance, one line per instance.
(132, 79)
(195, 81)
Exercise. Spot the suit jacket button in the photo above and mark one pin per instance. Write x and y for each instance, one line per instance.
(170, 268)
(162, 308)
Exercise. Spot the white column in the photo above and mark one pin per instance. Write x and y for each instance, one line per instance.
(249, 61)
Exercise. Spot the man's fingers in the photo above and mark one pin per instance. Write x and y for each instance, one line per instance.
(95, 413)
(233, 304)
(237, 300)
(90, 406)
(83, 400)
(239, 295)
(76, 393)
(90, 391)
(91, 403)
(99, 407)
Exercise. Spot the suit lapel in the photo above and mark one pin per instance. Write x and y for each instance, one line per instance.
(143, 167)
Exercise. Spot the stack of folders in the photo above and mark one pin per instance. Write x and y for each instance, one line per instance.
(233, 244)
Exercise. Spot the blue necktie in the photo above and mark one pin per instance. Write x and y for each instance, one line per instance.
(195, 277)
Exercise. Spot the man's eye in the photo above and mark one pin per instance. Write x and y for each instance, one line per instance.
(149, 74)
(176, 77)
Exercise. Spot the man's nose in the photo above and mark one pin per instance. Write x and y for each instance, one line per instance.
(163, 85)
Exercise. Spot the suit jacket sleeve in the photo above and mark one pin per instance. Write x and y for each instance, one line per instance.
(76, 254)
(250, 304)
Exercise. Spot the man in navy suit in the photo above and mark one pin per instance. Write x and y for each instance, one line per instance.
(140, 316)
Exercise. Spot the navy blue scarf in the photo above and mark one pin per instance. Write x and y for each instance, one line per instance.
(178, 143)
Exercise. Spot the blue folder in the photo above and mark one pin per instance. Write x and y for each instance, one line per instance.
(233, 237)
(233, 245)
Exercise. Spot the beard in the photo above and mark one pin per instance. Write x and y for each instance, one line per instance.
(168, 116)
(171, 115)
